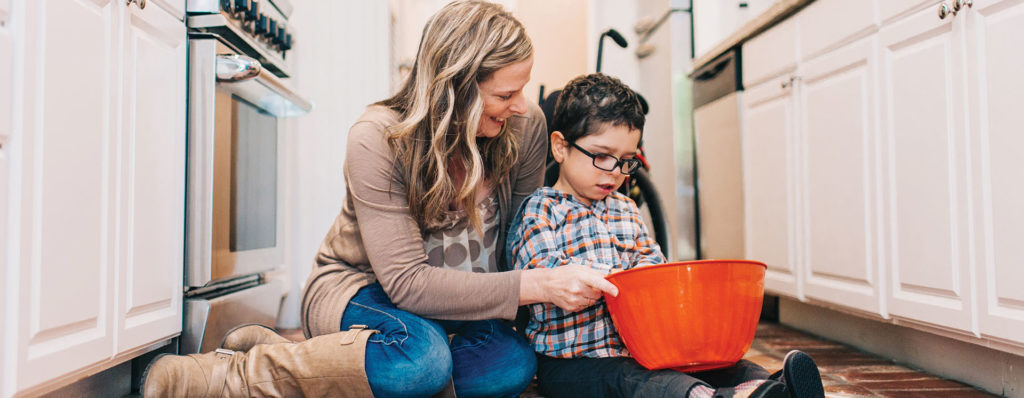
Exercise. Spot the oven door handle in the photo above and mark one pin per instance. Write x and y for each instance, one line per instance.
(236, 68)
(242, 76)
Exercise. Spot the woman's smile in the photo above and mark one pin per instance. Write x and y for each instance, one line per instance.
(502, 95)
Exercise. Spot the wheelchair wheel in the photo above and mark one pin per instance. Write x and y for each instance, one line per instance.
(650, 202)
(641, 190)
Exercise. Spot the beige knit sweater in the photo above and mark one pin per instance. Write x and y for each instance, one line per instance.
(375, 238)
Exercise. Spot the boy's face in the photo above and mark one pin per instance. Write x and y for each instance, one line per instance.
(577, 174)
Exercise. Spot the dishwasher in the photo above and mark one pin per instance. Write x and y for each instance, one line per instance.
(717, 89)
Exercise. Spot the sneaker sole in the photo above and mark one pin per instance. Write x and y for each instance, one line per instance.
(801, 376)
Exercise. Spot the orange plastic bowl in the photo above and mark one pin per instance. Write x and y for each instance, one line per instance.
(689, 316)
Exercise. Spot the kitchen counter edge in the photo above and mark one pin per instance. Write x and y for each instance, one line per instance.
(778, 12)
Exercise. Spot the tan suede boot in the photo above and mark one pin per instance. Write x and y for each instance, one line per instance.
(243, 337)
(324, 366)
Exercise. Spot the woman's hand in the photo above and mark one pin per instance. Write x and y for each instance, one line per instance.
(570, 287)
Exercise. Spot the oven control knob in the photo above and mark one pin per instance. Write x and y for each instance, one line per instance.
(253, 12)
(260, 26)
(279, 36)
(241, 6)
(287, 45)
(271, 29)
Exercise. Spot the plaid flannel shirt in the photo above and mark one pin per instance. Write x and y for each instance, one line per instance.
(553, 228)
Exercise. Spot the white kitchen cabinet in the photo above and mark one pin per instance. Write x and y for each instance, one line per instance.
(769, 145)
(838, 169)
(96, 259)
(896, 192)
(995, 90)
(68, 159)
(924, 147)
(811, 163)
(153, 158)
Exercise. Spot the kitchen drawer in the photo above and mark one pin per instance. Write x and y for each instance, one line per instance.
(174, 7)
(827, 24)
(890, 10)
(768, 90)
(771, 53)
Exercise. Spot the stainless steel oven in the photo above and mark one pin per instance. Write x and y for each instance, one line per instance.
(238, 96)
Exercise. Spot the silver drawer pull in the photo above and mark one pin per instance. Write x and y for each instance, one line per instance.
(789, 82)
(140, 3)
(960, 4)
(944, 10)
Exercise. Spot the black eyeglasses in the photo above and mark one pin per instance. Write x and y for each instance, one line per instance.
(608, 162)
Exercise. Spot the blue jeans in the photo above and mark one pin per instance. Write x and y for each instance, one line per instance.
(412, 355)
(624, 377)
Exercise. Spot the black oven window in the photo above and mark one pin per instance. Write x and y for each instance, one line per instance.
(253, 178)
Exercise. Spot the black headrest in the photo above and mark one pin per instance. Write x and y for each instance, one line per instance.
(548, 106)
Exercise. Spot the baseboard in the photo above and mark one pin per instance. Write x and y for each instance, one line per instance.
(113, 382)
(992, 370)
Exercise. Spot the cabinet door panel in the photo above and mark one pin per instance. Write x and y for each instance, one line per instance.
(839, 129)
(924, 141)
(995, 63)
(153, 191)
(767, 169)
(65, 247)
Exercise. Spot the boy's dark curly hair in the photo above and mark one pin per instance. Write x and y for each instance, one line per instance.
(588, 101)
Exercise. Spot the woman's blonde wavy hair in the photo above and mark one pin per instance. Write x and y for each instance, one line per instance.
(440, 107)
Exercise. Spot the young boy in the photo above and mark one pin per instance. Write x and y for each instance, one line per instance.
(582, 219)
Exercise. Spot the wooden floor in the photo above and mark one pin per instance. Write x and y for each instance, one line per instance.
(845, 371)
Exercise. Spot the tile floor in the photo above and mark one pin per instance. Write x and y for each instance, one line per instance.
(845, 371)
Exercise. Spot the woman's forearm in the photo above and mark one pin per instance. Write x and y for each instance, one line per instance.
(531, 288)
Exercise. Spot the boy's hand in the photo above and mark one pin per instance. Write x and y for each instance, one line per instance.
(575, 287)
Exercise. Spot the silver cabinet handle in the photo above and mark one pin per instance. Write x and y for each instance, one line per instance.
(235, 68)
(789, 82)
(944, 10)
(140, 3)
(960, 4)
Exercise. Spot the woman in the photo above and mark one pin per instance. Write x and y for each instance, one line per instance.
(408, 270)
